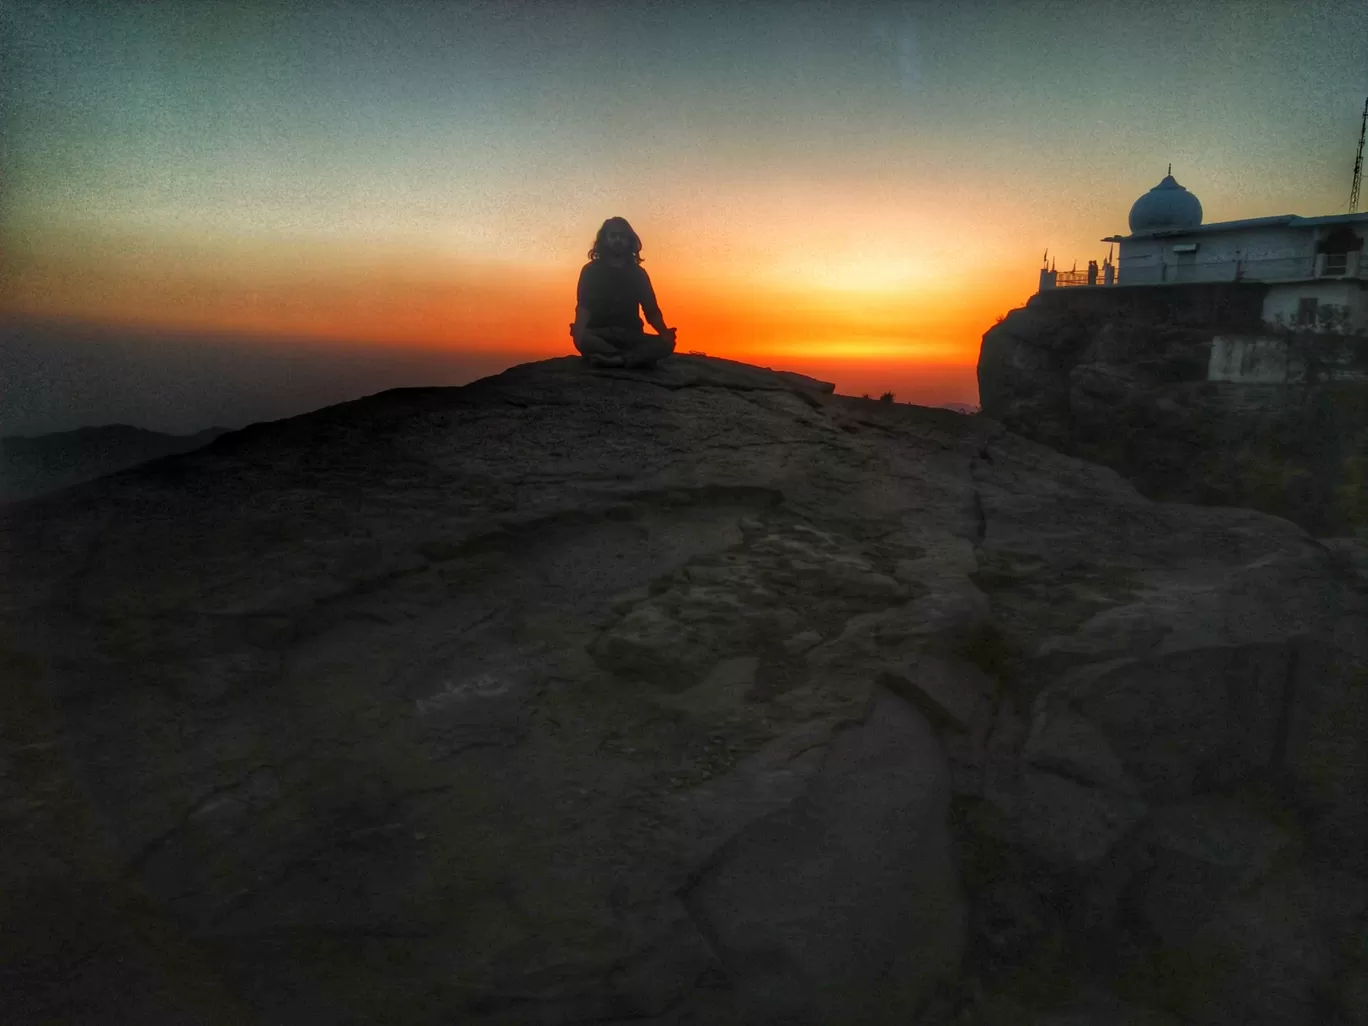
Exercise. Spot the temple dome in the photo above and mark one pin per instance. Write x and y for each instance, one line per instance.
(1166, 207)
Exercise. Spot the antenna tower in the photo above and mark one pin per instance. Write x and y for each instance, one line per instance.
(1358, 163)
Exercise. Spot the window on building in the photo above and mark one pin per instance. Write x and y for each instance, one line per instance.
(1336, 264)
(1306, 311)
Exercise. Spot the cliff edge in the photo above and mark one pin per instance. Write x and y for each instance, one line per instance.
(1187, 393)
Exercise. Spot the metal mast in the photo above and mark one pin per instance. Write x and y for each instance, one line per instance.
(1358, 163)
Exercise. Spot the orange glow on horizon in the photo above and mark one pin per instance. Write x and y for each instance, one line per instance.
(863, 193)
(865, 332)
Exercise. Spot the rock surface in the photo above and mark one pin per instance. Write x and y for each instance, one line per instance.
(695, 695)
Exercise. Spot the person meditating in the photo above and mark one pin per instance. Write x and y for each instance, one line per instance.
(612, 286)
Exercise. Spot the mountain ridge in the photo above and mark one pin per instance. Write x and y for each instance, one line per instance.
(33, 465)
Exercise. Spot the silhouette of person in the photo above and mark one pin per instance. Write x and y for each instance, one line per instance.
(612, 286)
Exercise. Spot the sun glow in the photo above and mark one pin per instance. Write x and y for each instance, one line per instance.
(868, 274)
(897, 349)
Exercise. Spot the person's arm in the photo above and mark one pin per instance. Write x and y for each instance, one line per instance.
(581, 320)
(581, 305)
(650, 307)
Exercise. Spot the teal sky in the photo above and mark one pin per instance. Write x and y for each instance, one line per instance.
(351, 119)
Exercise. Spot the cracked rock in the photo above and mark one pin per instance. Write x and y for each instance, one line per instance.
(556, 698)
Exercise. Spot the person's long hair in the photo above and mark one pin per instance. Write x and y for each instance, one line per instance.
(599, 248)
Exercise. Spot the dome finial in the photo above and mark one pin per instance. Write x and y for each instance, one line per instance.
(1170, 170)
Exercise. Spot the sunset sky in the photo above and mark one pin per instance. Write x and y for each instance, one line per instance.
(856, 190)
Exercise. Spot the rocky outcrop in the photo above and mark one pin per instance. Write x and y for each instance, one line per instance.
(1185, 392)
(694, 695)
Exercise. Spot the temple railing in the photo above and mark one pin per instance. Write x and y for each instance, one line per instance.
(1270, 269)
(1066, 279)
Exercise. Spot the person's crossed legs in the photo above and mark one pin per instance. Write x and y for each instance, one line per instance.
(624, 347)
(597, 352)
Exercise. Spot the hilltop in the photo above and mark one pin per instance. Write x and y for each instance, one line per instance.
(697, 695)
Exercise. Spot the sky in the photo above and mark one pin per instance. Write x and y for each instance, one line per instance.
(855, 190)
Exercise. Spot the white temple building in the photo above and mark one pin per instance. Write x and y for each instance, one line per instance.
(1314, 266)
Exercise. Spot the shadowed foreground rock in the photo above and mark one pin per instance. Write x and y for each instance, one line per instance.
(698, 695)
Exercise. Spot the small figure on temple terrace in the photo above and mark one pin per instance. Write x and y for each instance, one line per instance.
(612, 286)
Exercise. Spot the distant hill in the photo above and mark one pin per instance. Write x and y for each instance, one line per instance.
(960, 408)
(35, 465)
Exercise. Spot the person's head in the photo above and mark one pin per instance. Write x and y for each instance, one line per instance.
(616, 240)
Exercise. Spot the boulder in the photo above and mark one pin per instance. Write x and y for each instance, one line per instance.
(1063, 823)
(1063, 742)
(1202, 852)
(1282, 952)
